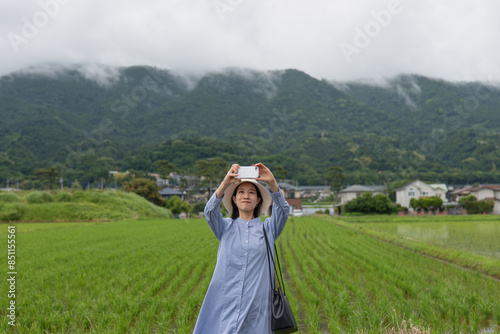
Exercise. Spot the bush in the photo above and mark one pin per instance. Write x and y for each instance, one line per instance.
(367, 204)
(486, 206)
(177, 205)
(474, 207)
(478, 207)
(199, 207)
(426, 203)
(37, 197)
(12, 212)
(63, 196)
(76, 185)
(8, 197)
(145, 188)
(468, 198)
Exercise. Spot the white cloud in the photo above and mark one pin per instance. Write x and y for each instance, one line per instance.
(443, 39)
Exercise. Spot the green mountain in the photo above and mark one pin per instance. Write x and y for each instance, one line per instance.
(89, 120)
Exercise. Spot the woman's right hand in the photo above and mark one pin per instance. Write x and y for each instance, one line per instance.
(229, 179)
(231, 175)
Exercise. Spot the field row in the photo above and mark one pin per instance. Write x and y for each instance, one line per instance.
(139, 277)
(344, 281)
(151, 276)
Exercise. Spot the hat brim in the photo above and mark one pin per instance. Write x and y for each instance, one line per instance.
(266, 197)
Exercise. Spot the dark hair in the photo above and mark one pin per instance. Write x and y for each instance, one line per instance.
(236, 212)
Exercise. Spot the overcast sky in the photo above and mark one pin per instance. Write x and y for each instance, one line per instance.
(456, 40)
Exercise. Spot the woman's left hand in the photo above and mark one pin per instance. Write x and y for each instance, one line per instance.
(267, 176)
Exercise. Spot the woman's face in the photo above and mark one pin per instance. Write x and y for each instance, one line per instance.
(246, 197)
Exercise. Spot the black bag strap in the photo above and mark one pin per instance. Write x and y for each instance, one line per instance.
(269, 257)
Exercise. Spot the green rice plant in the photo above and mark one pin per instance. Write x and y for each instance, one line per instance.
(150, 276)
(377, 278)
(118, 282)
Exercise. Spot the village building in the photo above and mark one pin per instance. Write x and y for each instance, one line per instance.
(292, 195)
(167, 193)
(414, 189)
(483, 192)
(317, 192)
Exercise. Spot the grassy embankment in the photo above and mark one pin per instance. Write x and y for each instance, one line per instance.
(89, 205)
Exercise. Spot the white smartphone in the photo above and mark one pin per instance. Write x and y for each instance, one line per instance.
(248, 172)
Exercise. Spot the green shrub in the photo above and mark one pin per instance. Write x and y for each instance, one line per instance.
(145, 188)
(38, 197)
(474, 207)
(426, 203)
(368, 204)
(478, 207)
(63, 196)
(8, 197)
(177, 205)
(12, 211)
(468, 198)
(76, 185)
(486, 206)
(199, 207)
(79, 195)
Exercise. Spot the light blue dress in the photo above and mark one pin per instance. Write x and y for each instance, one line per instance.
(238, 298)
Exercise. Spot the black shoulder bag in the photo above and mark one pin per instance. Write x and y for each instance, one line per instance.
(282, 319)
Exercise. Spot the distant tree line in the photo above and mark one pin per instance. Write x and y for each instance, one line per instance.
(300, 126)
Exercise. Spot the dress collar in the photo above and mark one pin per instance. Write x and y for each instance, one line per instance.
(253, 221)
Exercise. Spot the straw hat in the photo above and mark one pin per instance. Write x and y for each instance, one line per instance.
(266, 197)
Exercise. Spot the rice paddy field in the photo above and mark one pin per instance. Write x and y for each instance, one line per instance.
(343, 275)
(475, 234)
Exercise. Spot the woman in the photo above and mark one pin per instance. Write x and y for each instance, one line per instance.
(239, 295)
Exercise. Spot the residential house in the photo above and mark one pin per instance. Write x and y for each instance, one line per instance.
(167, 193)
(480, 192)
(321, 192)
(415, 189)
(292, 195)
(357, 190)
(161, 182)
(440, 190)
